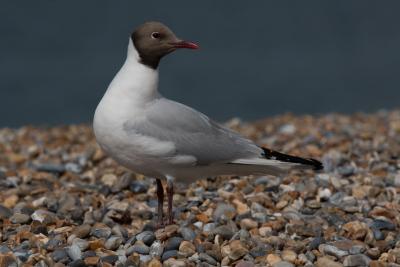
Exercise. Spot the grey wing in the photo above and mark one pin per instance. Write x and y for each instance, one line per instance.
(192, 133)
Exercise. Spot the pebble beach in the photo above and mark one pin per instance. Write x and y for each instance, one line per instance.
(63, 202)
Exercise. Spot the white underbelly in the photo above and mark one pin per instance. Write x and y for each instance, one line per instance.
(141, 154)
(134, 152)
(154, 158)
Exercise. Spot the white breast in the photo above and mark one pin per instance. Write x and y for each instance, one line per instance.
(134, 87)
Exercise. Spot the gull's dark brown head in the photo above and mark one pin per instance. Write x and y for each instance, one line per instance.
(153, 40)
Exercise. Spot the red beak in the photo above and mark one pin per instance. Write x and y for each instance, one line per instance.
(185, 44)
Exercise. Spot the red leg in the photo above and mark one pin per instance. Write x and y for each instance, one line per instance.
(170, 194)
(160, 196)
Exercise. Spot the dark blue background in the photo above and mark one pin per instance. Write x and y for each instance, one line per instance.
(257, 58)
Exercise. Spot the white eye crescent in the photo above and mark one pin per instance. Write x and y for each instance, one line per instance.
(155, 35)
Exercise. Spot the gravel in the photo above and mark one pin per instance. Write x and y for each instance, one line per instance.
(63, 202)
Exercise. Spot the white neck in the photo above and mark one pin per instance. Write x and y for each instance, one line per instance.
(135, 82)
(134, 86)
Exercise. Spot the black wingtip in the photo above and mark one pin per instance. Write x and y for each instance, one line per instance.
(272, 154)
(317, 164)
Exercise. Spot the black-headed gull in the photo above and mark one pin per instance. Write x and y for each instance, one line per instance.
(164, 139)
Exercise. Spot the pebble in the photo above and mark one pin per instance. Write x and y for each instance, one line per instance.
(373, 253)
(206, 258)
(169, 254)
(112, 259)
(241, 207)
(144, 258)
(224, 211)
(19, 218)
(59, 254)
(154, 263)
(82, 231)
(397, 180)
(380, 264)
(245, 264)
(287, 129)
(147, 237)
(186, 249)
(356, 260)
(237, 250)
(355, 230)
(281, 204)
(283, 264)
(314, 244)
(325, 262)
(81, 243)
(324, 194)
(48, 167)
(92, 261)
(198, 225)
(289, 255)
(5, 212)
(73, 167)
(113, 242)
(357, 249)
(187, 233)
(88, 253)
(248, 224)
(265, 231)
(54, 243)
(120, 231)
(4, 249)
(173, 243)
(171, 262)
(333, 251)
(260, 250)
(8, 260)
(77, 263)
(44, 216)
(118, 206)
(156, 249)
(224, 231)
(11, 201)
(166, 232)
(141, 249)
(262, 180)
(100, 231)
(383, 225)
(273, 259)
(74, 252)
(209, 227)
(109, 179)
(96, 244)
(122, 183)
(138, 187)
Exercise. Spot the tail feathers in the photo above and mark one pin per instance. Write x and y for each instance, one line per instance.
(275, 155)
(273, 162)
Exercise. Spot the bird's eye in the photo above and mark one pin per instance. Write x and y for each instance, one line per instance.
(155, 35)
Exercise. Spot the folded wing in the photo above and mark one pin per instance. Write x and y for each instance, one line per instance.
(192, 133)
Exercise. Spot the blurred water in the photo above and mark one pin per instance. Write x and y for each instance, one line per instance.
(256, 60)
